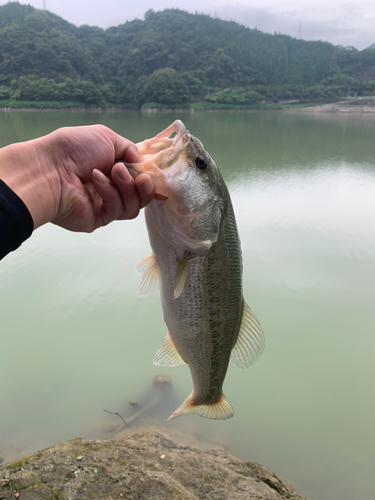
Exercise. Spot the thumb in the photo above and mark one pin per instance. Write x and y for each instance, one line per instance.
(131, 155)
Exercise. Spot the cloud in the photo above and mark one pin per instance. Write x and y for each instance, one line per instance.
(337, 30)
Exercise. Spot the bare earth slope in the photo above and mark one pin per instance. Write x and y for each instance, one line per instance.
(358, 106)
(143, 465)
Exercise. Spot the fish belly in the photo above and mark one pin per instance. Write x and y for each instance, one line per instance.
(204, 321)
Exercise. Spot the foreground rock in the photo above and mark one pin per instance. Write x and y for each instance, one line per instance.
(143, 465)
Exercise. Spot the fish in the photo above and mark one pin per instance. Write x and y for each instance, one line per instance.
(196, 263)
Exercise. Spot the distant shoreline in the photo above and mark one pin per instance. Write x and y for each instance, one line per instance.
(355, 106)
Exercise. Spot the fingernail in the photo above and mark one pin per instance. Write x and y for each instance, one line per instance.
(100, 177)
(122, 173)
(148, 186)
(132, 155)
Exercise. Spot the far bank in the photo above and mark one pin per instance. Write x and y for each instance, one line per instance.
(354, 105)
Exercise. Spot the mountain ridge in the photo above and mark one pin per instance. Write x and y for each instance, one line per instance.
(170, 57)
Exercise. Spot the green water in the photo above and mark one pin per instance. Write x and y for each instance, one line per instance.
(75, 339)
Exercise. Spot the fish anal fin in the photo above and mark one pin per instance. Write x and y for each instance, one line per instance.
(181, 274)
(167, 355)
(250, 341)
(221, 410)
(149, 269)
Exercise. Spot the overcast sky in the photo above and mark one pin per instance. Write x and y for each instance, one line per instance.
(337, 21)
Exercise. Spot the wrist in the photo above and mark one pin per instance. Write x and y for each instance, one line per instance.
(26, 169)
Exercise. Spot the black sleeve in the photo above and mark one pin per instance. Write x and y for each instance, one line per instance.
(16, 223)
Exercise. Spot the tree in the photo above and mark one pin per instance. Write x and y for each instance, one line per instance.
(164, 86)
(90, 93)
(168, 57)
(5, 92)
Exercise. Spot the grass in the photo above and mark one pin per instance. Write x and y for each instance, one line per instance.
(201, 105)
(40, 104)
(18, 464)
(161, 106)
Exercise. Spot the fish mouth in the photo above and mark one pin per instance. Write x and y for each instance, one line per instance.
(163, 146)
(159, 153)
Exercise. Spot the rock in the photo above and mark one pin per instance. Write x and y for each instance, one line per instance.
(148, 464)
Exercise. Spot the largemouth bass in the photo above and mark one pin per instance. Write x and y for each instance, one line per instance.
(197, 264)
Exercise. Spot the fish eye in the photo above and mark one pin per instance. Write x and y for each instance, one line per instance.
(201, 162)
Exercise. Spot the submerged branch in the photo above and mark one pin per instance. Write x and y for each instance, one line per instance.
(116, 413)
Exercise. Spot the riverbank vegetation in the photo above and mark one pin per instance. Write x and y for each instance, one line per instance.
(170, 59)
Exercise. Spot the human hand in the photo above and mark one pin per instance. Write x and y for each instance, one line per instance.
(72, 177)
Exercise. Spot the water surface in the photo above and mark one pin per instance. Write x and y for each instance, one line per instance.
(75, 339)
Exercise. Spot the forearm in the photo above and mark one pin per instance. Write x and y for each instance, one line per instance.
(25, 168)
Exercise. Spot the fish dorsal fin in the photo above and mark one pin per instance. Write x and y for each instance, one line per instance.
(167, 354)
(250, 342)
(149, 269)
(181, 273)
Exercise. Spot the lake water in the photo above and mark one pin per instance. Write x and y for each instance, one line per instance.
(75, 339)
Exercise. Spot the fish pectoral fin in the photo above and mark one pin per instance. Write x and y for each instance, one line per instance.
(221, 410)
(250, 342)
(149, 269)
(181, 274)
(167, 355)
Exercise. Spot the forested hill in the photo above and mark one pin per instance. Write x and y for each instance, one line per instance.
(170, 57)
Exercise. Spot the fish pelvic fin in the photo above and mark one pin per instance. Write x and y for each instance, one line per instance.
(250, 341)
(149, 269)
(167, 355)
(221, 410)
(181, 274)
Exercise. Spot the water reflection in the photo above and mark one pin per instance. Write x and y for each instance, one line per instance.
(75, 339)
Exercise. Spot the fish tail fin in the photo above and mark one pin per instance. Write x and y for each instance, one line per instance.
(221, 410)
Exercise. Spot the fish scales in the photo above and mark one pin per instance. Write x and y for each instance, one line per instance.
(203, 307)
(197, 257)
